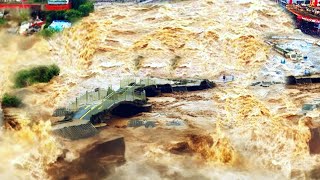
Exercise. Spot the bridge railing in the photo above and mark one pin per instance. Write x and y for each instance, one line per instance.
(126, 94)
(137, 81)
(89, 98)
(108, 97)
(154, 81)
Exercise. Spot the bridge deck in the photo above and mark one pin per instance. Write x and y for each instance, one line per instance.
(125, 93)
(75, 129)
(131, 90)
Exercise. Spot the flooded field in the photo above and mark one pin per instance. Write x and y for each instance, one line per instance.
(233, 131)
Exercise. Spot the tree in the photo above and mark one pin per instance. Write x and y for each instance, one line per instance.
(2, 22)
(47, 33)
(76, 3)
(73, 15)
(10, 100)
(24, 15)
(39, 74)
(22, 79)
(53, 70)
(86, 8)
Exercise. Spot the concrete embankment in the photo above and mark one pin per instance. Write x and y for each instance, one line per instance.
(294, 80)
(156, 90)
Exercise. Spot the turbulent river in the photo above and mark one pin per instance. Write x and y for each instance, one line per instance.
(234, 131)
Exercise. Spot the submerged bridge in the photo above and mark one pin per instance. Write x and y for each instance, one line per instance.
(99, 106)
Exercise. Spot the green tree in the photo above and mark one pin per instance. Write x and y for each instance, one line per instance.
(54, 15)
(24, 15)
(73, 15)
(86, 8)
(53, 70)
(10, 101)
(22, 79)
(2, 21)
(76, 3)
(39, 74)
(47, 33)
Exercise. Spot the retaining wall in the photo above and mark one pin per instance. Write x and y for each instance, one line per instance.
(292, 80)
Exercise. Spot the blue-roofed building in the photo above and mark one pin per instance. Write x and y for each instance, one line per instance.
(59, 25)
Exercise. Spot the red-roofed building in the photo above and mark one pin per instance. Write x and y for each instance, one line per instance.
(51, 5)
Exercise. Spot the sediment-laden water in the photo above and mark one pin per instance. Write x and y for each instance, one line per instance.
(232, 131)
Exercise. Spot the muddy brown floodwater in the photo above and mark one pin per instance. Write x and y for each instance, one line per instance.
(234, 131)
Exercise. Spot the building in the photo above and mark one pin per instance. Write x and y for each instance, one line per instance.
(58, 5)
(50, 5)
